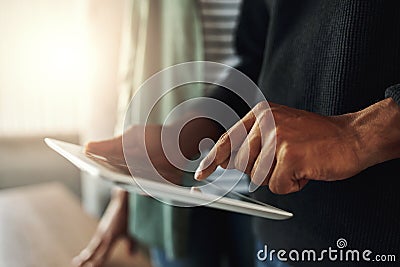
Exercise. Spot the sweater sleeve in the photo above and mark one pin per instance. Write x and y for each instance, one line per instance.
(393, 92)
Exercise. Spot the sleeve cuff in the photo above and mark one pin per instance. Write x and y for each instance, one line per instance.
(393, 92)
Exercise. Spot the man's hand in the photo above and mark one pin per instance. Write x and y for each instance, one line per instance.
(308, 146)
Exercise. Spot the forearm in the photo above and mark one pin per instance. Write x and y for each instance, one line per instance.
(378, 132)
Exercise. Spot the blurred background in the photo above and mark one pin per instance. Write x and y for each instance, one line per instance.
(62, 64)
(58, 78)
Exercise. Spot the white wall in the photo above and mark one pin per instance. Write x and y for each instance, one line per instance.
(58, 77)
(58, 66)
(104, 19)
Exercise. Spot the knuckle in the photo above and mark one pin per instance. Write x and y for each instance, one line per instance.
(274, 187)
(277, 187)
(264, 118)
(289, 153)
(279, 113)
(314, 173)
(223, 139)
(276, 110)
(265, 123)
(280, 134)
(261, 106)
(216, 156)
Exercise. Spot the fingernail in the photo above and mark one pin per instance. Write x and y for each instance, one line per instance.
(253, 187)
(197, 175)
(195, 189)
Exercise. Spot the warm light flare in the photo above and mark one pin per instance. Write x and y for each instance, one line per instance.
(43, 66)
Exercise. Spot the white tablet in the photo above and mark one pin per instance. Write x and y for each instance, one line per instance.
(232, 201)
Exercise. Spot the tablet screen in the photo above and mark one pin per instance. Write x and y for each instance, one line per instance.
(211, 193)
(211, 188)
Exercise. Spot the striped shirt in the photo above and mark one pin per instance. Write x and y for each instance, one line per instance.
(219, 19)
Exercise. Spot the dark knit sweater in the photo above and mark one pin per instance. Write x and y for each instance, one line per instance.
(330, 57)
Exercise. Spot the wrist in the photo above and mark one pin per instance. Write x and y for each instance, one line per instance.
(376, 132)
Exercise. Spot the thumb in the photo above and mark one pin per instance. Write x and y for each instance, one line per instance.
(106, 147)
